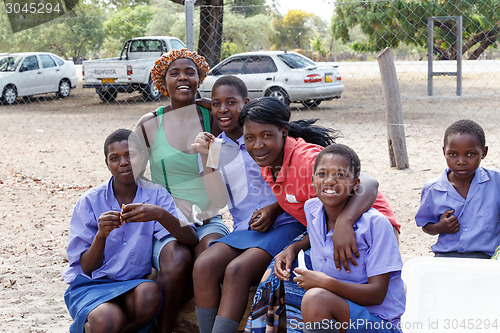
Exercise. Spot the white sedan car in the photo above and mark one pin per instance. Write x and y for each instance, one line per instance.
(288, 76)
(31, 73)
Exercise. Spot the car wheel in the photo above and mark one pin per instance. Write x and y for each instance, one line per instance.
(151, 92)
(9, 95)
(107, 95)
(310, 103)
(278, 93)
(64, 89)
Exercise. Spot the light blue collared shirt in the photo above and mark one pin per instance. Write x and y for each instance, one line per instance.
(478, 214)
(128, 249)
(247, 189)
(378, 254)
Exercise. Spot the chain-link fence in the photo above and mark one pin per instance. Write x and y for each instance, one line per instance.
(52, 138)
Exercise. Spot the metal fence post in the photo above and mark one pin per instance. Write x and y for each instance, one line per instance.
(430, 53)
(189, 7)
(459, 55)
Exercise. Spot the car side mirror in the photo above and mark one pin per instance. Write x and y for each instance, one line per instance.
(23, 69)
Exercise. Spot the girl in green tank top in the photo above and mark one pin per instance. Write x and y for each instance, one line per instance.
(183, 179)
(168, 134)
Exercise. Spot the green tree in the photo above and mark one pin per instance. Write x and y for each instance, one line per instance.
(292, 30)
(74, 35)
(389, 23)
(247, 7)
(129, 22)
(169, 19)
(245, 34)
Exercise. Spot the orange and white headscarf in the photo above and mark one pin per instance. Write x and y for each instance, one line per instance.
(161, 66)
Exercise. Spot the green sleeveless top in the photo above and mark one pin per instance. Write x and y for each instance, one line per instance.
(178, 172)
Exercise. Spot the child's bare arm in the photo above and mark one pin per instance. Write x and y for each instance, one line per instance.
(92, 258)
(182, 231)
(448, 224)
(146, 131)
(371, 293)
(204, 102)
(343, 236)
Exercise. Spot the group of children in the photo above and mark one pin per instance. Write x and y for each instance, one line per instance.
(289, 188)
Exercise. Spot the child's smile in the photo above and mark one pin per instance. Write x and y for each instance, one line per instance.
(226, 105)
(333, 181)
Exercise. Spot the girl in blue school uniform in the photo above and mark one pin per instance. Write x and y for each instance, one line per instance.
(110, 245)
(369, 298)
(261, 229)
(462, 205)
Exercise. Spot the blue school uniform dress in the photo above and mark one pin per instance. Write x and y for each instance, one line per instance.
(127, 253)
(378, 254)
(249, 192)
(478, 214)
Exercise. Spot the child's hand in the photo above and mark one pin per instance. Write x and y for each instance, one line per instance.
(208, 213)
(448, 224)
(261, 220)
(308, 279)
(345, 248)
(202, 142)
(283, 263)
(108, 222)
(139, 212)
(185, 207)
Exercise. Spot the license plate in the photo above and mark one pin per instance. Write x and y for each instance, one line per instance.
(107, 80)
(328, 77)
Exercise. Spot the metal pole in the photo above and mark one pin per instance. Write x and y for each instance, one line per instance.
(430, 53)
(459, 55)
(189, 7)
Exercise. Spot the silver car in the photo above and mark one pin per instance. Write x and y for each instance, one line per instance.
(288, 76)
(32, 73)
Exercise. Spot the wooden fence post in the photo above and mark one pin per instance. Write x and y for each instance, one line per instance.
(393, 110)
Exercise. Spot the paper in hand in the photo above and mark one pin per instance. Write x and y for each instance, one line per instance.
(195, 210)
(301, 261)
(214, 153)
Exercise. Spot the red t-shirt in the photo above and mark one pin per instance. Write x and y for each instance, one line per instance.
(293, 187)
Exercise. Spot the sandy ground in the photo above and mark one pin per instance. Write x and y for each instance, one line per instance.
(52, 152)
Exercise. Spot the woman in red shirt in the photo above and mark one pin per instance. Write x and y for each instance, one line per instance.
(286, 152)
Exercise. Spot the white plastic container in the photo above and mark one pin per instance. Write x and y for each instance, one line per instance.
(451, 295)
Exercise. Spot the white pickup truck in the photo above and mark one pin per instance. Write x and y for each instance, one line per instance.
(131, 71)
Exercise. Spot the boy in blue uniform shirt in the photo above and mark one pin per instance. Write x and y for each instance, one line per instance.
(462, 205)
(110, 245)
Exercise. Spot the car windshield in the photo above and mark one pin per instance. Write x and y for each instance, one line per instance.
(295, 61)
(9, 63)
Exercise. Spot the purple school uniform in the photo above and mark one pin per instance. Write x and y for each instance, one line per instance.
(247, 189)
(128, 249)
(478, 214)
(378, 254)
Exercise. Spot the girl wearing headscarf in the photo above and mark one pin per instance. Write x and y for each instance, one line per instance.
(167, 133)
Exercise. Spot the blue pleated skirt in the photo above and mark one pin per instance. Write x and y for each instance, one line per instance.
(85, 294)
(271, 241)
